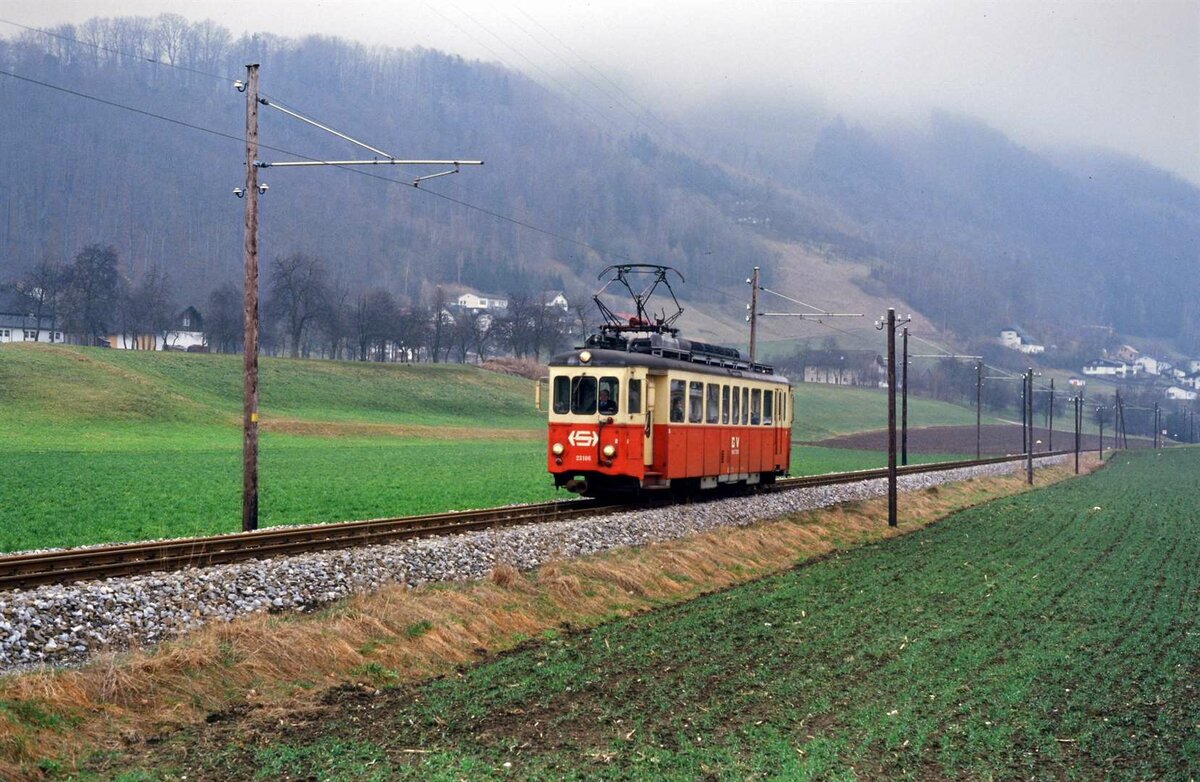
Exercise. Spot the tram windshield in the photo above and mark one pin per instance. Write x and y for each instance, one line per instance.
(584, 395)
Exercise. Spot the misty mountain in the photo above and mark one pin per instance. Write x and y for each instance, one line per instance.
(972, 228)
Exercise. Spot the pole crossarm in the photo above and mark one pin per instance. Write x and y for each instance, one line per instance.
(370, 162)
(810, 315)
(943, 355)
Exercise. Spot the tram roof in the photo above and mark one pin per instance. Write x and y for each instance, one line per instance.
(601, 357)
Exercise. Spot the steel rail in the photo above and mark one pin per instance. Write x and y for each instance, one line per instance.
(21, 571)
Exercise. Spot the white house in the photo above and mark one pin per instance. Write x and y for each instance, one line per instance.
(555, 299)
(1182, 394)
(18, 324)
(1106, 367)
(481, 301)
(1014, 338)
(188, 334)
(1151, 365)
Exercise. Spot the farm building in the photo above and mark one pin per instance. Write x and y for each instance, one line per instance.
(1104, 367)
(1015, 338)
(481, 301)
(187, 333)
(19, 322)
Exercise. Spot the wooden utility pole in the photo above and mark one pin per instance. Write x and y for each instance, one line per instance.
(1024, 417)
(1029, 418)
(1050, 424)
(978, 408)
(753, 315)
(1100, 418)
(891, 384)
(1079, 425)
(250, 413)
(904, 403)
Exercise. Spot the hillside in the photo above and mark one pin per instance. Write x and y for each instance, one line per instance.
(70, 385)
(952, 220)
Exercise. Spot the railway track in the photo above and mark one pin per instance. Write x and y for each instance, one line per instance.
(22, 571)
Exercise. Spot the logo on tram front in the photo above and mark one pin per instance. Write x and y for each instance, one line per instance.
(581, 438)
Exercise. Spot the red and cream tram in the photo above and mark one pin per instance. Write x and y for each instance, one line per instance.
(660, 412)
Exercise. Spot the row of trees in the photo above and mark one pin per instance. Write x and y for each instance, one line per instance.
(90, 298)
(311, 314)
(307, 312)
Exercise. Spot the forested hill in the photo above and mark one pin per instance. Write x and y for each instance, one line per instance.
(976, 229)
(971, 228)
(73, 171)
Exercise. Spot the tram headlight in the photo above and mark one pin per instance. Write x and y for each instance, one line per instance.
(557, 449)
(585, 356)
(609, 451)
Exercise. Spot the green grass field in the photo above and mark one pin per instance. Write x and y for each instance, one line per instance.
(1049, 635)
(106, 445)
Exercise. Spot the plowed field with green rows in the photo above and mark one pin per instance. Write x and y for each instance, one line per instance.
(1051, 635)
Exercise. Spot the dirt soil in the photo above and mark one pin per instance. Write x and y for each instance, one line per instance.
(996, 440)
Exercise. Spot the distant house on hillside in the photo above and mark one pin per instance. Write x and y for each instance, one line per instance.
(1076, 382)
(1181, 394)
(1015, 338)
(18, 322)
(1104, 367)
(1151, 365)
(481, 301)
(555, 299)
(843, 367)
(1127, 353)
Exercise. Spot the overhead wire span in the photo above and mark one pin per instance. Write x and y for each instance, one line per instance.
(240, 140)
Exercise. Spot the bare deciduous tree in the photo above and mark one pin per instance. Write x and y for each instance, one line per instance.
(299, 290)
(223, 321)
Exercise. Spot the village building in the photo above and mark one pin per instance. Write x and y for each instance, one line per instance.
(187, 333)
(18, 322)
(1127, 353)
(1015, 338)
(1181, 394)
(480, 302)
(1105, 367)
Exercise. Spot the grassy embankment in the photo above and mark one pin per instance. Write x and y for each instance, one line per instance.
(115, 445)
(1051, 634)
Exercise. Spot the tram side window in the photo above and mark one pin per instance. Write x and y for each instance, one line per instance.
(737, 405)
(745, 406)
(583, 395)
(755, 407)
(712, 399)
(610, 394)
(677, 392)
(635, 396)
(695, 402)
(724, 404)
(768, 408)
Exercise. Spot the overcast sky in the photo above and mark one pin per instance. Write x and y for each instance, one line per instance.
(1123, 75)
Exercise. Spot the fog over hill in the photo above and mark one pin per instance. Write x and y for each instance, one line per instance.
(965, 224)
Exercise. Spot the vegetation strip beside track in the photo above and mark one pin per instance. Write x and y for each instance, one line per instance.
(34, 569)
(1051, 634)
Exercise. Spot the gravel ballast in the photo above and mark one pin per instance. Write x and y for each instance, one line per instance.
(65, 624)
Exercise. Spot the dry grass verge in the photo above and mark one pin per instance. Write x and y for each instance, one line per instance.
(272, 664)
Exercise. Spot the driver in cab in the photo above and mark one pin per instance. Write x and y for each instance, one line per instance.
(607, 405)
